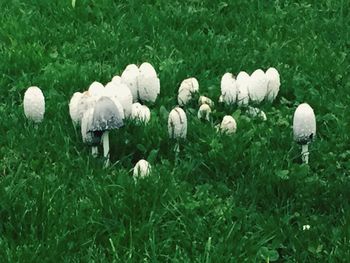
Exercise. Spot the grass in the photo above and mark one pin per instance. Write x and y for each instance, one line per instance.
(243, 198)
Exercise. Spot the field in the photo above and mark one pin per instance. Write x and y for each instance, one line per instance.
(240, 198)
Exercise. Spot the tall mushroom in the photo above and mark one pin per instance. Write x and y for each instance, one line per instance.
(34, 104)
(177, 127)
(74, 108)
(228, 89)
(273, 85)
(148, 83)
(257, 86)
(106, 116)
(304, 128)
(242, 88)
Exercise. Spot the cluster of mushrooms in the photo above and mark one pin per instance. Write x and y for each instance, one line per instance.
(101, 109)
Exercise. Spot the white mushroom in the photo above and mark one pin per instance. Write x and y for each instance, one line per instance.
(228, 125)
(257, 86)
(74, 107)
(142, 169)
(304, 128)
(122, 93)
(140, 113)
(204, 112)
(148, 83)
(187, 88)
(106, 117)
(34, 104)
(205, 100)
(243, 88)
(273, 85)
(130, 78)
(228, 89)
(177, 123)
(117, 79)
(256, 113)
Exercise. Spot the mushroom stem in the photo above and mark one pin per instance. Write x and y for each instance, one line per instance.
(105, 140)
(94, 151)
(305, 153)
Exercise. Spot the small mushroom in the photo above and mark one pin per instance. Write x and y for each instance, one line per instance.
(177, 123)
(273, 85)
(256, 113)
(204, 112)
(187, 89)
(228, 125)
(34, 104)
(140, 113)
(74, 108)
(242, 88)
(304, 128)
(257, 86)
(106, 117)
(205, 100)
(228, 89)
(142, 169)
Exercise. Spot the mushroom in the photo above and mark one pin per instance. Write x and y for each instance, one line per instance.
(242, 88)
(122, 93)
(228, 89)
(187, 88)
(142, 169)
(177, 127)
(273, 85)
(228, 125)
(74, 108)
(256, 113)
(304, 128)
(204, 112)
(129, 77)
(106, 116)
(34, 104)
(257, 86)
(140, 113)
(205, 100)
(148, 83)
(117, 79)
(177, 123)
(90, 138)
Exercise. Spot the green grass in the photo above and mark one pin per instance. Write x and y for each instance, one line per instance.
(242, 198)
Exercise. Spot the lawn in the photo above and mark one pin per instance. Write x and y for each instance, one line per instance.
(240, 198)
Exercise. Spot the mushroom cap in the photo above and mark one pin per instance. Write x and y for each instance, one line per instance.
(304, 124)
(204, 112)
(96, 89)
(243, 88)
(256, 113)
(205, 100)
(74, 107)
(148, 88)
(141, 169)
(273, 85)
(89, 137)
(122, 93)
(228, 89)
(130, 78)
(34, 104)
(106, 115)
(187, 88)
(177, 123)
(140, 113)
(257, 86)
(228, 125)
